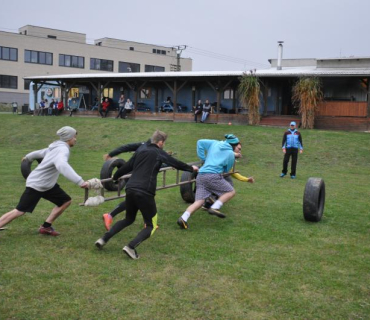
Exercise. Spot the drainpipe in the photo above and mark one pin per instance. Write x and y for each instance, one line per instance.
(280, 55)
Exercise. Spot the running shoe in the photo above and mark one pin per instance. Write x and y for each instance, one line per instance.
(216, 212)
(282, 175)
(108, 220)
(100, 243)
(182, 223)
(48, 231)
(130, 252)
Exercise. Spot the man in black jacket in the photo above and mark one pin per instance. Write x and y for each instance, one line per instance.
(131, 147)
(140, 190)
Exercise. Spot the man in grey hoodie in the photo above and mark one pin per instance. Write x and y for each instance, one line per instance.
(42, 182)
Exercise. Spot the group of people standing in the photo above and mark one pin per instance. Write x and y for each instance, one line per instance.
(54, 108)
(203, 110)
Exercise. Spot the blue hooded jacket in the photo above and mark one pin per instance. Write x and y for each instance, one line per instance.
(218, 156)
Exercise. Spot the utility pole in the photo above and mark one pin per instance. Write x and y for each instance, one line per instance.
(179, 50)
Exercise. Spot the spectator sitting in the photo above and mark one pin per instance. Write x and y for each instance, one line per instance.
(51, 107)
(60, 108)
(41, 109)
(95, 106)
(128, 108)
(104, 108)
(206, 111)
(198, 110)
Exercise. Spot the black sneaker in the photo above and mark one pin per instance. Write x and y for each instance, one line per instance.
(100, 243)
(182, 223)
(216, 212)
(131, 252)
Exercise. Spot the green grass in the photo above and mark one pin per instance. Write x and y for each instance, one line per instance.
(262, 262)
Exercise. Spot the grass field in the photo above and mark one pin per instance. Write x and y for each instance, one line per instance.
(264, 261)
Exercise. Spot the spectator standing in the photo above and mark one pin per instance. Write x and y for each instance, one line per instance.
(292, 141)
(206, 111)
(46, 108)
(121, 105)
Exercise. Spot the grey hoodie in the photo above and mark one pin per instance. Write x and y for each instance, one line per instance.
(55, 161)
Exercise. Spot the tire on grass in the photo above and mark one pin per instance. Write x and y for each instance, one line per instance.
(314, 199)
(26, 167)
(188, 190)
(107, 171)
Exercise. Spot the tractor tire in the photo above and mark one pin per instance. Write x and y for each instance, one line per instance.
(106, 172)
(314, 199)
(26, 167)
(188, 190)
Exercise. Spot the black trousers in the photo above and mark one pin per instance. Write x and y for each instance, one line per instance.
(135, 201)
(120, 208)
(294, 153)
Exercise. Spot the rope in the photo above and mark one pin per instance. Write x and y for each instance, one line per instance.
(94, 201)
(95, 184)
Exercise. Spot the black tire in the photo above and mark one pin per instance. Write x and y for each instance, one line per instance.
(107, 172)
(26, 167)
(314, 199)
(188, 190)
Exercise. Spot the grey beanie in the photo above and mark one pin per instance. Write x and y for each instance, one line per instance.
(66, 133)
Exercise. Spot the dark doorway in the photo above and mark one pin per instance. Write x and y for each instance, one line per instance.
(287, 104)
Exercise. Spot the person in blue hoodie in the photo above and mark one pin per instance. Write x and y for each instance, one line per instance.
(218, 157)
(292, 142)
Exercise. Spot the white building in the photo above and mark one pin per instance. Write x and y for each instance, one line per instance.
(37, 51)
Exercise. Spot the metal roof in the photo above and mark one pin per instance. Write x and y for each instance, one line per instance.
(272, 72)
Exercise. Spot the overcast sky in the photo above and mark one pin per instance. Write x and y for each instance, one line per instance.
(220, 35)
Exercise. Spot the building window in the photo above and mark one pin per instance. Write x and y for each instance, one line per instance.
(101, 64)
(51, 37)
(57, 93)
(8, 82)
(39, 57)
(157, 51)
(8, 54)
(229, 94)
(149, 68)
(27, 84)
(132, 48)
(108, 93)
(71, 61)
(145, 93)
(124, 67)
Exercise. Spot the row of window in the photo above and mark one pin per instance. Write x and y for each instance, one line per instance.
(40, 57)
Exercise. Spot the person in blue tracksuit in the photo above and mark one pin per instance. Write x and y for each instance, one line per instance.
(292, 142)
